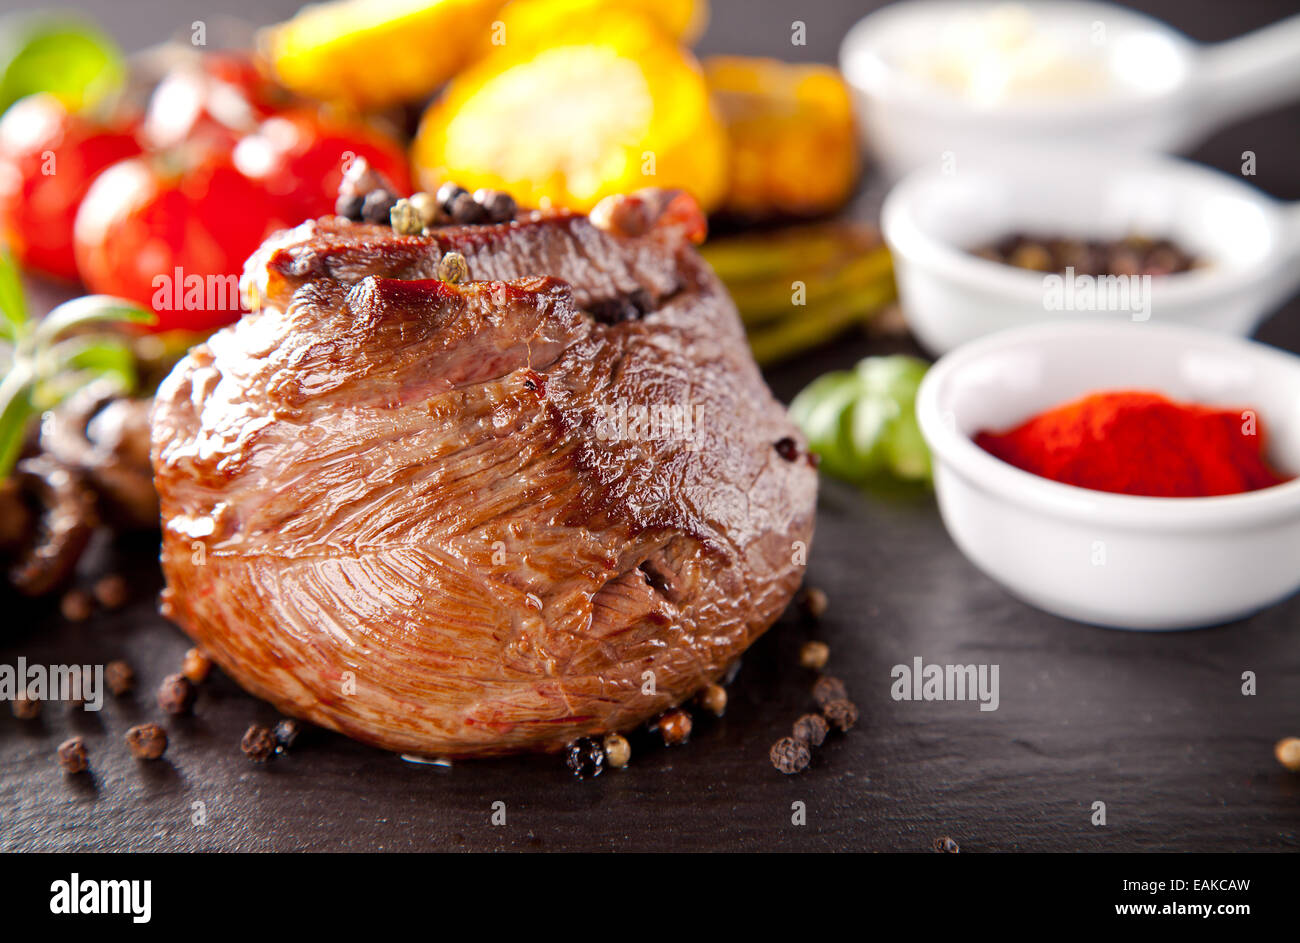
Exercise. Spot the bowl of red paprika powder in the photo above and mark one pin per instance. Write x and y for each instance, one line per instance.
(1130, 476)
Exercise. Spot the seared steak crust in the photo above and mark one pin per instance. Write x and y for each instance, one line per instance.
(429, 515)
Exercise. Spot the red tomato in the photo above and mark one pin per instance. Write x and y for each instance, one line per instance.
(300, 157)
(48, 158)
(175, 242)
(216, 100)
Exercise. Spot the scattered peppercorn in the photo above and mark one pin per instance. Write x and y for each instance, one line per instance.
(945, 845)
(286, 734)
(813, 602)
(176, 694)
(617, 750)
(26, 707)
(76, 605)
(119, 677)
(111, 591)
(453, 269)
(585, 757)
(466, 211)
(405, 218)
(146, 741)
(377, 207)
(814, 655)
(1132, 255)
(811, 729)
(842, 714)
(714, 699)
(499, 205)
(426, 204)
(348, 205)
(72, 755)
(789, 755)
(196, 666)
(675, 727)
(259, 743)
(787, 449)
(447, 194)
(829, 688)
(1287, 752)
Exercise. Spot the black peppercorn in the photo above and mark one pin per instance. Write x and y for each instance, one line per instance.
(348, 205)
(447, 195)
(787, 449)
(945, 845)
(378, 207)
(499, 205)
(176, 694)
(72, 755)
(811, 729)
(585, 757)
(465, 211)
(842, 714)
(258, 744)
(829, 688)
(286, 734)
(789, 755)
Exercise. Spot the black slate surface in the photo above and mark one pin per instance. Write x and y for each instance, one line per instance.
(1153, 725)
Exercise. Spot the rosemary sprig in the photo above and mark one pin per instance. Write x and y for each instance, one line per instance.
(45, 360)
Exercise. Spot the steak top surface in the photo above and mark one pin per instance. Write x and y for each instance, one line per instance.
(479, 518)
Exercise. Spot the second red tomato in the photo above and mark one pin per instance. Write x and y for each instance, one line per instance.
(300, 158)
(174, 239)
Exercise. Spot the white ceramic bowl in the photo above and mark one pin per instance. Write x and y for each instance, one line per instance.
(1250, 242)
(1110, 559)
(1156, 91)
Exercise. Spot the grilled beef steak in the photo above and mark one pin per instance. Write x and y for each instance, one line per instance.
(480, 518)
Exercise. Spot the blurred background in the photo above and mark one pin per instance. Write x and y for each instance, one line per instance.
(762, 28)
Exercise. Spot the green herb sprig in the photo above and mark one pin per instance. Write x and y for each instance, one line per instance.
(45, 360)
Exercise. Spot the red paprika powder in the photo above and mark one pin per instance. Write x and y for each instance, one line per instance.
(1140, 443)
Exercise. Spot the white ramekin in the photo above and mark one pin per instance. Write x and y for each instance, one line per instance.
(1110, 559)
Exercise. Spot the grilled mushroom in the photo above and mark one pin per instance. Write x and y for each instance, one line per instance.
(105, 437)
(16, 517)
(62, 524)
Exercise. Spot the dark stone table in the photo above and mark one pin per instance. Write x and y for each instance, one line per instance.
(1153, 725)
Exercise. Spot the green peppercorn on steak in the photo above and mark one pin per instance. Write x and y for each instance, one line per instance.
(476, 518)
